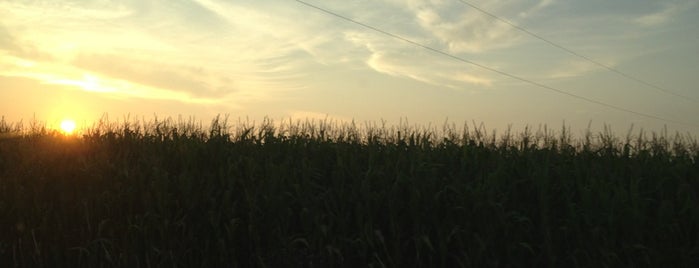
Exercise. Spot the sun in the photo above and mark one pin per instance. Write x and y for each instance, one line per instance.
(68, 126)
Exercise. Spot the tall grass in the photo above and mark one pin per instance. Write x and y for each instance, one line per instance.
(324, 194)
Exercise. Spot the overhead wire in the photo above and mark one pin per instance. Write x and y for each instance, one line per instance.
(570, 51)
(503, 73)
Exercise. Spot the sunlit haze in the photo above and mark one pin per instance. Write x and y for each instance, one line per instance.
(621, 63)
(68, 126)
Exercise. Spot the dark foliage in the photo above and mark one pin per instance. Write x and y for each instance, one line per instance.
(317, 194)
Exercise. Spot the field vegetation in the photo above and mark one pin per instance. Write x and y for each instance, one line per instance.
(174, 193)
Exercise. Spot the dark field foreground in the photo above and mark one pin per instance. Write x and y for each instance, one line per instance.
(174, 194)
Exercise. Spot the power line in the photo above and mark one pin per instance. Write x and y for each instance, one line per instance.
(628, 76)
(495, 70)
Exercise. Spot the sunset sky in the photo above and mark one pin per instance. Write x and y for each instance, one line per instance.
(254, 58)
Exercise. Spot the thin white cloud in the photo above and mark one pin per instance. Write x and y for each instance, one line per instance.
(196, 82)
(184, 51)
(463, 29)
(470, 33)
(573, 68)
(666, 13)
(426, 68)
(657, 18)
(86, 80)
(538, 7)
(211, 49)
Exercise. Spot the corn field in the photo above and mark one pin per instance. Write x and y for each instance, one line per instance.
(174, 193)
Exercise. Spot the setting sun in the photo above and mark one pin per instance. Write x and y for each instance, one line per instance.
(68, 126)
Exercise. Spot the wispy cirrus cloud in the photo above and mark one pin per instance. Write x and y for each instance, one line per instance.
(440, 73)
(543, 4)
(394, 59)
(464, 29)
(7, 41)
(447, 26)
(666, 12)
(471, 33)
(573, 68)
(196, 82)
(193, 49)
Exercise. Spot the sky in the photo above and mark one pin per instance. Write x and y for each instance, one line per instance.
(426, 62)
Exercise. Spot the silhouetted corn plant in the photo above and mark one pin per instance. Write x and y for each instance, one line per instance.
(327, 194)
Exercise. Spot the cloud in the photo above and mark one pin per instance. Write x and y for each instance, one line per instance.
(441, 72)
(471, 33)
(538, 7)
(7, 42)
(665, 14)
(196, 82)
(447, 26)
(13, 46)
(573, 68)
(657, 18)
(210, 50)
(464, 29)
(191, 50)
